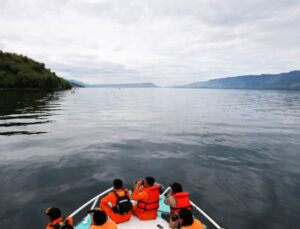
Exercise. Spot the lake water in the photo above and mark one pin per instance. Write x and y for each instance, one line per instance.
(236, 151)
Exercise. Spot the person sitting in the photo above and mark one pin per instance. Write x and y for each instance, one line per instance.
(119, 199)
(147, 199)
(176, 199)
(187, 221)
(55, 219)
(100, 221)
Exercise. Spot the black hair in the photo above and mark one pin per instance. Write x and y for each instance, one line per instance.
(54, 213)
(150, 181)
(187, 217)
(118, 183)
(176, 187)
(99, 217)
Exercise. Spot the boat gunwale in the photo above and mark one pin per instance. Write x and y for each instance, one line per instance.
(97, 197)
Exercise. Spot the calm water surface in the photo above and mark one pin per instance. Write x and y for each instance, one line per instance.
(236, 151)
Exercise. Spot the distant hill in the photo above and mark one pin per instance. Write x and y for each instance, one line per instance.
(282, 81)
(130, 85)
(75, 83)
(18, 71)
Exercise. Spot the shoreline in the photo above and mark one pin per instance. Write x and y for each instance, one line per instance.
(34, 89)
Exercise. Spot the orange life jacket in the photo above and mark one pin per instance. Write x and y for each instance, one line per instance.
(182, 200)
(196, 225)
(56, 223)
(153, 201)
(107, 225)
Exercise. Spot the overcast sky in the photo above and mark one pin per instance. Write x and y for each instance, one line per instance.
(167, 42)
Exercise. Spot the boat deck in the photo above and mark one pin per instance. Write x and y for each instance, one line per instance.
(134, 222)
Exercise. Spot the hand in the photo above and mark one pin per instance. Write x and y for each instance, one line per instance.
(172, 223)
(139, 182)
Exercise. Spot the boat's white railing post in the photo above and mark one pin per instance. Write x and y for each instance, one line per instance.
(95, 202)
(95, 199)
(167, 189)
(205, 215)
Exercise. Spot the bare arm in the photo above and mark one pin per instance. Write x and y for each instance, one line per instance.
(170, 200)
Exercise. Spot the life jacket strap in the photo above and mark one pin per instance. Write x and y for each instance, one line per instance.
(148, 203)
(145, 205)
(118, 195)
(147, 209)
(58, 224)
(188, 206)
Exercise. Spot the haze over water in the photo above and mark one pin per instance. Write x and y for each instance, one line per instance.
(236, 151)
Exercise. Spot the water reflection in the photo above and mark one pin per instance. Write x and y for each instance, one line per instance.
(24, 112)
(235, 151)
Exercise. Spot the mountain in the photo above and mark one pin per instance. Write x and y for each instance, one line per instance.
(282, 81)
(18, 71)
(130, 85)
(76, 83)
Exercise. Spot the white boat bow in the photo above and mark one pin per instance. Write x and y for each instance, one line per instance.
(134, 222)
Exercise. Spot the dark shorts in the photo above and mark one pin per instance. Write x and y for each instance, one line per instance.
(166, 216)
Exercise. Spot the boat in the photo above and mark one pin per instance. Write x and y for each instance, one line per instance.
(134, 222)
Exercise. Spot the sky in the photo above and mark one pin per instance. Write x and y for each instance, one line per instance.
(167, 42)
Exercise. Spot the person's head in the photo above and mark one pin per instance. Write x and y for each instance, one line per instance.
(149, 181)
(53, 213)
(99, 217)
(176, 187)
(185, 217)
(118, 183)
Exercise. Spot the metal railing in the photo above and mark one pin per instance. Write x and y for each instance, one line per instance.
(96, 198)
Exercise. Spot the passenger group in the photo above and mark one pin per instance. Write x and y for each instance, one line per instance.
(118, 207)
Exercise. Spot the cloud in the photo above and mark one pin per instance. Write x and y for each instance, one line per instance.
(165, 42)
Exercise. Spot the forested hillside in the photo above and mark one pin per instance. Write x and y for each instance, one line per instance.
(18, 71)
